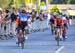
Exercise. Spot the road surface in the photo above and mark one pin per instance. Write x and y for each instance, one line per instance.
(41, 42)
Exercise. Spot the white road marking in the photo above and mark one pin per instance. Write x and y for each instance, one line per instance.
(58, 51)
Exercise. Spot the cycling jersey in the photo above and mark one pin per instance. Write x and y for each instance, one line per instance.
(64, 20)
(18, 21)
(59, 22)
(22, 21)
(52, 20)
(23, 17)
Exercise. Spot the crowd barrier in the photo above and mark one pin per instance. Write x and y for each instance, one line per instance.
(35, 26)
(39, 25)
(72, 21)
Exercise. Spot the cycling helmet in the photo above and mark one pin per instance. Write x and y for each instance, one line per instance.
(55, 13)
(23, 10)
(59, 16)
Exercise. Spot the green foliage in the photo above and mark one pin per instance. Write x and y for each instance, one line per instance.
(55, 9)
(3, 3)
(72, 1)
(34, 1)
(68, 1)
(63, 2)
(42, 3)
(10, 3)
(38, 9)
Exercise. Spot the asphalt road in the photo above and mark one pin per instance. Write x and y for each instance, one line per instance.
(41, 42)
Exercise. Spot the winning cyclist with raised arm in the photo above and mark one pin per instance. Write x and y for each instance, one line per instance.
(22, 22)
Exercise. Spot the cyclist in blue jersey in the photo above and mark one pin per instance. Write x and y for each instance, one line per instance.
(23, 17)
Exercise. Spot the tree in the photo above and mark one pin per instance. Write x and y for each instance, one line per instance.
(55, 9)
(72, 1)
(42, 3)
(11, 2)
(68, 1)
(3, 3)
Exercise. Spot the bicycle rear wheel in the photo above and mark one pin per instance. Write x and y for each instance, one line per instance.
(57, 40)
(63, 35)
(22, 45)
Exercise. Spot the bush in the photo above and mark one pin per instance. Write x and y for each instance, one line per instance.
(54, 9)
(42, 3)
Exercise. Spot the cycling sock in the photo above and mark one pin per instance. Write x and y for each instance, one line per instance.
(26, 37)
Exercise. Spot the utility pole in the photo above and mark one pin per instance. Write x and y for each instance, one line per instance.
(38, 3)
(47, 3)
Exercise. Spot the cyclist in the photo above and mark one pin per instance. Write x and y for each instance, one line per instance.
(59, 24)
(65, 24)
(51, 22)
(21, 21)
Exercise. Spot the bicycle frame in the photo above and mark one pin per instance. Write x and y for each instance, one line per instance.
(21, 39)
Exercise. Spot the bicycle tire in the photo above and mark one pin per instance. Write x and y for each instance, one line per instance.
(64, 37)
(22, 45)
(58, 39)
(64, 34)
